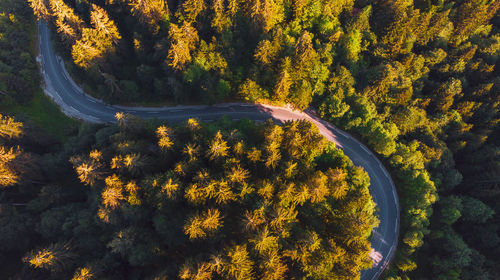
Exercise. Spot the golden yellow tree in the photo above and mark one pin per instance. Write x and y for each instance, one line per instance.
(267, 13)
(56, 257)
(68, 33)
(89, 170)
(64, 14)
(9, 128)
(102, 23)
(95, 42)
(199, 226)
(283, 85)
(240, 265)
(192, 8)
(183, 41)
(8, 175)
(218, 147)
(220, 20)
(40, 9)
(113, 192)
(87, 51)
(150, 12)
(83, 273)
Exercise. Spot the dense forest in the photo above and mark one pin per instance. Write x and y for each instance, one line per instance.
(194, 201)
(417, 81)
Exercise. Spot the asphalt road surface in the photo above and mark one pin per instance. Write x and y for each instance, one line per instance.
(75, 103)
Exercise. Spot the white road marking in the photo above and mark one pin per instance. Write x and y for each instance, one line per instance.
(93, 101)
(363, 147)
(394, 194)
(388, 254)
(376, 275)
(395, 227)
(154, 112)
(385, 171)
(344, 134)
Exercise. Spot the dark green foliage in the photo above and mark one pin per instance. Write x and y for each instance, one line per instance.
(224, 200)
(415, 80)
(18, 70)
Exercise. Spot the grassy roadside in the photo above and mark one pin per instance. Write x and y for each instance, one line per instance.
(43, 112)
(40, 109)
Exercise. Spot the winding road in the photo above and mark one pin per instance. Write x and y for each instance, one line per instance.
(75, 103)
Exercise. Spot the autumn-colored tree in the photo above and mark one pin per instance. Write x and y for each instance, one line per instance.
(150, 12)
(104, 25)
(9, 128)
(83, 273)
(56, 257)
(267, 13)
(183, 40)
(8, 175)
(192, 8)
(218, 147)
(221, 21)
(40, 9)
(200, 226)
(95, 42)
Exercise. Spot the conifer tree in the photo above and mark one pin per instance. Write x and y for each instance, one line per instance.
(150, 12)
(183, 41)
(192, 8)
(218, 147)
(220, 19)
(56, 257)
(104, 25)
(8, 175)
(40, 9)
(9, 128)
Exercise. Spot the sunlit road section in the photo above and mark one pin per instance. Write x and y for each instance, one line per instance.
(59, 86)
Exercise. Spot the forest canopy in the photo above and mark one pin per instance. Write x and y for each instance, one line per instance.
(198, 201)
(417, 81)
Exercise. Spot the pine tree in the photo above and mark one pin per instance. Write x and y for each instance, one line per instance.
(199, 226)
(240, 265)
(8, 175)
(192, 8)
(273, 266)
(95, 42)
(470, 15)
(284, 83)
(183, 41)
(89, 50)
(265, 52)
(113, 192)
(220, 20)
(264, 242)
(218, 147)
(83, 273)
(64, 14)
(104, 25)
(9, 128)
(67, 32)
(89, 170)
(40, 9)
(150, 12)
(267, 13)
(56, 257)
